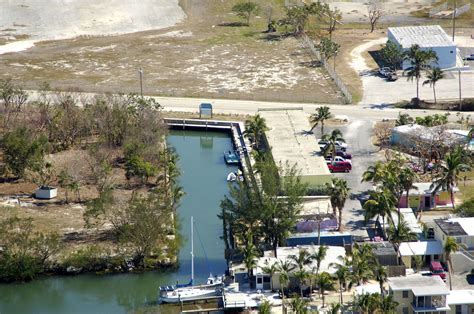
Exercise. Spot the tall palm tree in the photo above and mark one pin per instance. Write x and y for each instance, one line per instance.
(325, 283)
(367, 303)
(388, 305)
(302, 259)
(284, 268)
(302, 275)
(374, 173)
(322, 114)
(407, 179)
(270, 269)
(449, 172)
(338, 192)
(250, 256)
(380, 273)
(362, 263)
(255, 128)
(381, 203)
(319, 256)
(332, 138)
(342, 274)
(401, 233)
(420, 61)
(299, 305)
(451, 247)
(434, 75)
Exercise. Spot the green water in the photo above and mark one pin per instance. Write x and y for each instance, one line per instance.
(204, 181)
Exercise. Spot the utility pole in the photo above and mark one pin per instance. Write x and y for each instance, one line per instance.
(140, 72)
(454, 18)
(460, 98)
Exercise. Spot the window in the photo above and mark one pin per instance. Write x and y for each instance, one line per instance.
(405, 310)
(259, 280)
(405, 294)
(458, 240)
(458, 309)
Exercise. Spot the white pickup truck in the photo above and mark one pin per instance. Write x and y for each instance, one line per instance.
(338, 159)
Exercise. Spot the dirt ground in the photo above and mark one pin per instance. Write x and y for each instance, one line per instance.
(202, 56)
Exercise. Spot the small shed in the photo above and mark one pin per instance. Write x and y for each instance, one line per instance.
(46, 192)
(205, 109)
(385, 253)
(427, 37)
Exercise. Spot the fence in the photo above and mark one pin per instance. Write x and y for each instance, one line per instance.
(339, 83)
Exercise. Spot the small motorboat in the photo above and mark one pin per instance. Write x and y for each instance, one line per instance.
(235, 176)
(231, 158)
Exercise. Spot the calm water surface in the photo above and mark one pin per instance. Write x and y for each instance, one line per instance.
(204, 181)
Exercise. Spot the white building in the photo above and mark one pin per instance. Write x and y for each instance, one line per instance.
(427, 37)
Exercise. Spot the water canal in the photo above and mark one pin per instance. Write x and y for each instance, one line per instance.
(204, 181)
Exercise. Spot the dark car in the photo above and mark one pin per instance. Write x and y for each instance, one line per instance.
(340, 166)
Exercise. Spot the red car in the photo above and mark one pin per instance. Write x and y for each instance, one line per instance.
(437, 269)
(340, 166)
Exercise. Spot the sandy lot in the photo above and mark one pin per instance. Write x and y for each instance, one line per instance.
(198, 57)
(59, 19)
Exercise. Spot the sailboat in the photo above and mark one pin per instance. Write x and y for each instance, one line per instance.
(190, 292)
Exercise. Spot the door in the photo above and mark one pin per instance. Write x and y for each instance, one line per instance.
(427, 201)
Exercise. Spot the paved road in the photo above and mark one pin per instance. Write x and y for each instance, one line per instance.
(358, 137)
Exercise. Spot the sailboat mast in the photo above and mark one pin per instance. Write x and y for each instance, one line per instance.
(192, 250)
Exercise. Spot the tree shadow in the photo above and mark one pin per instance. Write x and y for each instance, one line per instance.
(311, 64)
(274, 36)
(232, 24)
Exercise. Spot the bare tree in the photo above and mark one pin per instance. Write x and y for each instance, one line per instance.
(382, 132)
(375, 12)
(12, 98)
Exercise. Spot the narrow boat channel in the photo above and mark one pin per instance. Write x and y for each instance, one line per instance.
(203, 179)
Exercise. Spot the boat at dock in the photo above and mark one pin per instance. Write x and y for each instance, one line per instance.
(231, 158)
(190, 292)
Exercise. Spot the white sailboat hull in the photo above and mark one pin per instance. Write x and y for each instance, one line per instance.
(187, 294)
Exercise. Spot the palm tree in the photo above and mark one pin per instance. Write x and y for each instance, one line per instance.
(271, 270)
(374, 173)
(401, 233)
(299, 305)
(319, 256)
(331, 147)
(381, 203)
(265, 307)
(334, 308)
(362, 263)
(339, 192)
(322, 114)
(420, 60)
(388, 305)
(342, 274)
(64, 182)
(325, 282)
(380, 273)
(407, 177)
(367, 303)
(434, 75)
(448, 173)
(451, 247)
(284, 268)
(255, 128)
(302, 275)
(250, 257)
(302, 259)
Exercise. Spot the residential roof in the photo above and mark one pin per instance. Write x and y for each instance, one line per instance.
(451, 227)
(457, 226)
(409, 217)
(420, 248)
(426, 36)
(316, 206)
(460, 297)
(422, 188)
(382, 248)
(419, 285)
(291, 142)
(368, 288)
(333, 255)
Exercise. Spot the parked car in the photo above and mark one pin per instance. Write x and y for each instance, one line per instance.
(339, 145)
(340, 166)
(437, 269)
(337, 159)
(392, 77)
(469, 57)
(386, 71)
